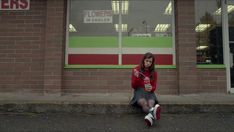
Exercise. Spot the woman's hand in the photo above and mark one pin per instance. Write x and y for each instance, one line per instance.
(148, 86)
(136, 73)
(147, 80)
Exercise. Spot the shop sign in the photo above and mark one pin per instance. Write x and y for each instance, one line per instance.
(14, 4)
(97, 16)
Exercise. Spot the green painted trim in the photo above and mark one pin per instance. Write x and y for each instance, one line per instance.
(113, 66)
(112, 42)
(165, 67)
(211, 66)
(157, 42)
(98, 42)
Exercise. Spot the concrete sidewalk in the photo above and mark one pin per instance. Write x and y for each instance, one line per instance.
(113, 103)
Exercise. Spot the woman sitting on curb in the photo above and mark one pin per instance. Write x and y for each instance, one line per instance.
(144, 81)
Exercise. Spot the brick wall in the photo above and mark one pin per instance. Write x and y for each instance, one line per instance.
(22, 48)
(54, 45)
(167, 81)
(212, 80)
(191, 79)
(186, 46)
(113, 80)
(32, 45)
(97, 80)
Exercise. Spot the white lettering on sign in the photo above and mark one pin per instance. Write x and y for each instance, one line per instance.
(98, 16)
(14, 4)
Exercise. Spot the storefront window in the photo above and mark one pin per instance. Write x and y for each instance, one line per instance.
(104, 32)
(209, 31)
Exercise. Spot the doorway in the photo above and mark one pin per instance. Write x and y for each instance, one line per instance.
(230, 12)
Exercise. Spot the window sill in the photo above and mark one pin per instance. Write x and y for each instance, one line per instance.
(211, 66)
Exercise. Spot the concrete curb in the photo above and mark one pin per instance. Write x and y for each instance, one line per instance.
(98, 103)
(110, 108)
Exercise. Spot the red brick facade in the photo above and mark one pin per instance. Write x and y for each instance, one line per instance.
(32, 50)
(186, 46)
(22, 47)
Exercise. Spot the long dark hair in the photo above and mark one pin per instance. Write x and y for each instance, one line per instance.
(148, 55)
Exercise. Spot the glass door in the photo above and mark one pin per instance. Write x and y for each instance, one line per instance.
(230, 11)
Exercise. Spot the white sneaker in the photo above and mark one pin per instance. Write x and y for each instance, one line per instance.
(157, 111)
(149, 119)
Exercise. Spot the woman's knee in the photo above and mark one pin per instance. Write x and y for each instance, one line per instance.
(151, 103)
(142, 102)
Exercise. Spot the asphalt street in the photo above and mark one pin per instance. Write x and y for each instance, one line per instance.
(65, 122)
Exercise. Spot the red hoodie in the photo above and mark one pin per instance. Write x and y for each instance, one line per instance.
(138, 82)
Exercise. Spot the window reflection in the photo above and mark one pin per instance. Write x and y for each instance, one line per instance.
(152, 18)
(230, 11)
(101, 27)
(92, 18)
(208, 31)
